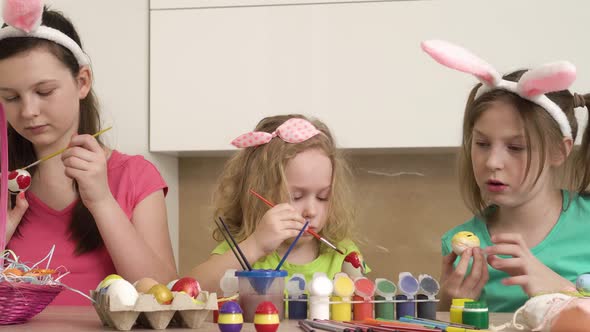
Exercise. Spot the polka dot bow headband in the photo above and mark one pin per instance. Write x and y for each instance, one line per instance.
(294, 130)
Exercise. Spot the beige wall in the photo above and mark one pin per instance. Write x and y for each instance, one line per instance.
(402, 216)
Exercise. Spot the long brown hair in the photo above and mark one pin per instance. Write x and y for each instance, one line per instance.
(263, 168)
(82, 228)
(540, 129)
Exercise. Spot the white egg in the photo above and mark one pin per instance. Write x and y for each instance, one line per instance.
(124, 291)
(18, 181)
(171, 284)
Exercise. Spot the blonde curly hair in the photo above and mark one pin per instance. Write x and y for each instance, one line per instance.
(263, 168)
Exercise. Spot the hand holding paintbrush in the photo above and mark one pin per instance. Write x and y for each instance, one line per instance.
(309, 230)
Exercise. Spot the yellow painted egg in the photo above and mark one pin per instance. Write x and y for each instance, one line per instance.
(162, 294)
(464, 240)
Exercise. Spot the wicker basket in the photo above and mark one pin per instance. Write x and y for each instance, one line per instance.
(20, 302)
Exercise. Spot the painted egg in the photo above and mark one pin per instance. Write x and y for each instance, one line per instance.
(230, 317)
(122, 290)
(464, 240)
(18, 181)
(162, 294)
(188, 285)
(266, 318)
(107, 281)
(583, 284)
(143, 285)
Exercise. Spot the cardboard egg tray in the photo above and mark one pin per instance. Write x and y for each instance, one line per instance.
(147, 312)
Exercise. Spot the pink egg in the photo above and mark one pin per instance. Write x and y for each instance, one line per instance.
(18, 181)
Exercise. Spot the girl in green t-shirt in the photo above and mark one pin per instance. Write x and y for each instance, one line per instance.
(518, 132)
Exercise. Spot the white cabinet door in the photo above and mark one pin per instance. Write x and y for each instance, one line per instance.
(216, 71)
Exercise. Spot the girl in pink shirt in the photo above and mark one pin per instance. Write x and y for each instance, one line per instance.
(104, 210)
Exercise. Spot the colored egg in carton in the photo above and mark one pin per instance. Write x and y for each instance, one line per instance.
(183, 311)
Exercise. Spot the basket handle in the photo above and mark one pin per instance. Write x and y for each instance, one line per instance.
(3, 182)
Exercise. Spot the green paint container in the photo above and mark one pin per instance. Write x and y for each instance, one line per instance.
(476, 314)
(385, 291)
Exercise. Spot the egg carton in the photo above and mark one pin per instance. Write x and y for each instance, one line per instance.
(147, 312)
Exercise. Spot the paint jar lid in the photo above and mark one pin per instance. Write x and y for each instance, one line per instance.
(428, 285)
(261, 274)
(460, 302)
(320, 285)
(408, 284)
(266, 307)
(385, 288)
(476, 305)
(364, 287)
(230, 307)
(343, 285)
(296, 285)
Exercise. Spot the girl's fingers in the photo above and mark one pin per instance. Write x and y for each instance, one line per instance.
(505, 249)
(77, 163)
(79, 152)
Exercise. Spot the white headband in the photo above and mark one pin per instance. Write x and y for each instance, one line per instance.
(532, 85)
(23, 18)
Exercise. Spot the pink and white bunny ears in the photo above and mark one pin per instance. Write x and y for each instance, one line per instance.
(23, 18)
(532, 85)
(294, 130)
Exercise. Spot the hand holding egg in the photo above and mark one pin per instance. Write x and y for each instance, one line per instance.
(464, 240)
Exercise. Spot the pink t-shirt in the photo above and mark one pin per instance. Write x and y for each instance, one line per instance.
(131, 179)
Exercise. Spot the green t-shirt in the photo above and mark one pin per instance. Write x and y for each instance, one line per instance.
(565, 250)
(329, 261)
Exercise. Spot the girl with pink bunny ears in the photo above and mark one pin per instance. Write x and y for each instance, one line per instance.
(291, 161)
(102, 209)
(523, 179)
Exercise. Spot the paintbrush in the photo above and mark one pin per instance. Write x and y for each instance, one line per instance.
(233, 249)
(291, 246)
(236, 244)
(309, 230)
(61, 151)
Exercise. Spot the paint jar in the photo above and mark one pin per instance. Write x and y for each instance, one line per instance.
(426, 307)
(408, 286)
(319, 296)
(457, 306)
(404, 306)
(385, 291)
(341, 308)
(297, 300)
(364, 290)
(476, 314)
(257, 286)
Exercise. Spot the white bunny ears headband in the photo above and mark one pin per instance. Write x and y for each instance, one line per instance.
(532, 85)
(23, 18)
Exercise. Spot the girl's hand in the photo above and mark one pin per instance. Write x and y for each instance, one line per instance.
(277, 225)
(15, 214)
(454, 282)
(85, 162)
(524, 268)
